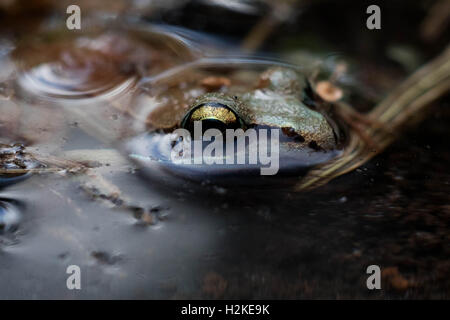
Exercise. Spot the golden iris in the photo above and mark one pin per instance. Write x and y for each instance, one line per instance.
(212, 115)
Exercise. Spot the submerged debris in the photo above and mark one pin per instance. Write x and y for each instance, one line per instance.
(15, 163)
(395, 279)
(103, 257)
(13, 156)
(150, 216)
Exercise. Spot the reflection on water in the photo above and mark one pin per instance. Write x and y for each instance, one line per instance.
(9, 217)
(85, 66)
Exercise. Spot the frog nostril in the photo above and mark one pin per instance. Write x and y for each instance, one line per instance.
(313, 145)
(290, 132)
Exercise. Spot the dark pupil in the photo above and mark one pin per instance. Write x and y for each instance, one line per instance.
(211, 124)
(212, 116)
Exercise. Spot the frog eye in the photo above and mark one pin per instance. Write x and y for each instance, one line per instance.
(212, 115)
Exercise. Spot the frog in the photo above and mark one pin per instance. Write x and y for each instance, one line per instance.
(271, 98)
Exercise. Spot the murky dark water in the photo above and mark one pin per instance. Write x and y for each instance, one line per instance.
(70, 103)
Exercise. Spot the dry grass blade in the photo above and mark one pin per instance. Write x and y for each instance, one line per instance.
(407, 102)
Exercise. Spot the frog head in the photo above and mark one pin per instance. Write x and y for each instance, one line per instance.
(283, 99)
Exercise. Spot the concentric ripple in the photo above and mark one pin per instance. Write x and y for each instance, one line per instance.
(76, 69)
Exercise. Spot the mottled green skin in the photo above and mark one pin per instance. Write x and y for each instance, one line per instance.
(277, 103)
